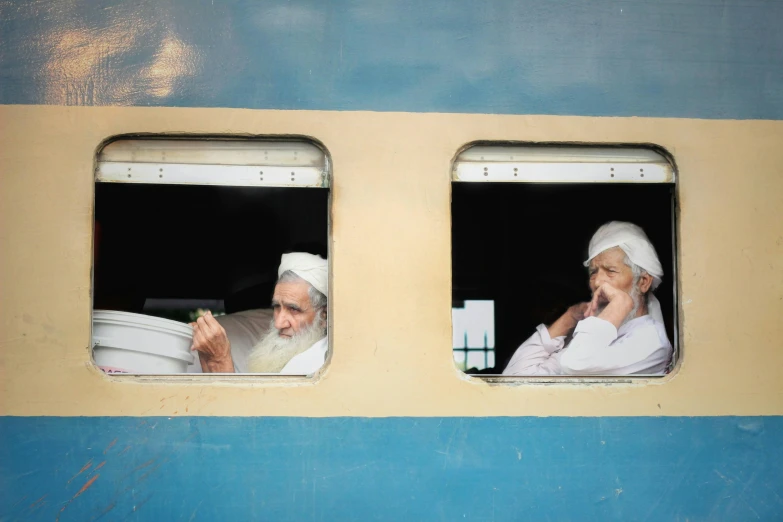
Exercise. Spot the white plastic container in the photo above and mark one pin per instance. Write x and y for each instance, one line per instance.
(141, 344)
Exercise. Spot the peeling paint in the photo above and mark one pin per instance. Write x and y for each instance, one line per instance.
(84, 468)
(37, 502)
(86, 486)
(110, 446)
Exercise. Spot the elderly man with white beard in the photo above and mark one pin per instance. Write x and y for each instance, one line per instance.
(620, 331)
(296, 342)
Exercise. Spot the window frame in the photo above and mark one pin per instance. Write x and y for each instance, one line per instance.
(625, 175)
(277, 179)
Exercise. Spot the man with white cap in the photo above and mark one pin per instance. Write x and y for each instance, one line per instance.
(296, 342)
(620, 331)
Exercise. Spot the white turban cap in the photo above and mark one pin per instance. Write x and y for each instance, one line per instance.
(313, 269)
(634, 242)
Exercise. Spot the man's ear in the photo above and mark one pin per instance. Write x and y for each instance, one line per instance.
(645, 282)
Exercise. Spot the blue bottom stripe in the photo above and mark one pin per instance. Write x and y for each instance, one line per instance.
(339, 469)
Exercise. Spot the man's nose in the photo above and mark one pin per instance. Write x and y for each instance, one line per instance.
(599, 279)
(282, 320)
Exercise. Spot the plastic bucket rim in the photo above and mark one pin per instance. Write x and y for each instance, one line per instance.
(147, 321)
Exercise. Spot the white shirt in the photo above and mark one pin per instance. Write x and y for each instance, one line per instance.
(309, 361)
(244, 330)
(597, 348)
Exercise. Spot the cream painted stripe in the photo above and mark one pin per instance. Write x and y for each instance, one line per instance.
(391, 298)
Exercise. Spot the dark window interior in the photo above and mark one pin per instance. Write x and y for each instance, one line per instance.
(199, 243)
(523, 245)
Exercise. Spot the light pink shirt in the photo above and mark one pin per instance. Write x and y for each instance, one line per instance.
(640, 346)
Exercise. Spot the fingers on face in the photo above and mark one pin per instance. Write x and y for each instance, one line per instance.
(593, 306)
(608, 289)
(602, 292)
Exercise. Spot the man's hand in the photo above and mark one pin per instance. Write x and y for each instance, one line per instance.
(567, 322)
(577, 311)
(618, 304)
(211, 342)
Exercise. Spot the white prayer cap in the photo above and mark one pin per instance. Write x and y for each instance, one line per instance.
(633, 241)
(313, 269)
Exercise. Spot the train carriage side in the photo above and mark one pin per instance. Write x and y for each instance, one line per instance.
(391, 428)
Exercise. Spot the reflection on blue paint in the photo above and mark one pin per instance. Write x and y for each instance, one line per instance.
(705, 59)
(326, 469)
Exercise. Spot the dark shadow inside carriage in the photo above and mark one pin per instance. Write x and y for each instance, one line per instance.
(168, 250)
(522, 245)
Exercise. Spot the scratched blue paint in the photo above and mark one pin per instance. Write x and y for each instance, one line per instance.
(692, 58)
(230, 468)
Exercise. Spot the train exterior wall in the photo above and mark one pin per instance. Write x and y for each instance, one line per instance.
(349, 468)
(391, 429)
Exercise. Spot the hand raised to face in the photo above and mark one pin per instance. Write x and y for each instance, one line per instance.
(610, 303)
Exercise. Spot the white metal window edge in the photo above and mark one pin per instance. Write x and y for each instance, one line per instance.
(190, 174)
(561, 165)
(214, 162)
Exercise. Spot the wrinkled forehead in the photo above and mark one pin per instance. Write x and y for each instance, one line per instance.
(295, 292)
(614, 256)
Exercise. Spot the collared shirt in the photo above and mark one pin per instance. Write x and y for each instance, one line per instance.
(309, 361)
(640, 346)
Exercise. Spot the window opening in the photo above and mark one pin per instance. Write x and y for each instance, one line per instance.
(189, 228)
(522, 219)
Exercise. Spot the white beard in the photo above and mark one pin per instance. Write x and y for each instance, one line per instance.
(273, 352)
(637, 302)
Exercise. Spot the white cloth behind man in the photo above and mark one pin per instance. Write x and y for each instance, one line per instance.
(244, 330)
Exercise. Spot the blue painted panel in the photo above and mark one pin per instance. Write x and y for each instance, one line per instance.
(694, 58)
(212, 468)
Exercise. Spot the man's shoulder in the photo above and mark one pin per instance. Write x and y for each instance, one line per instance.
(645, 328)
